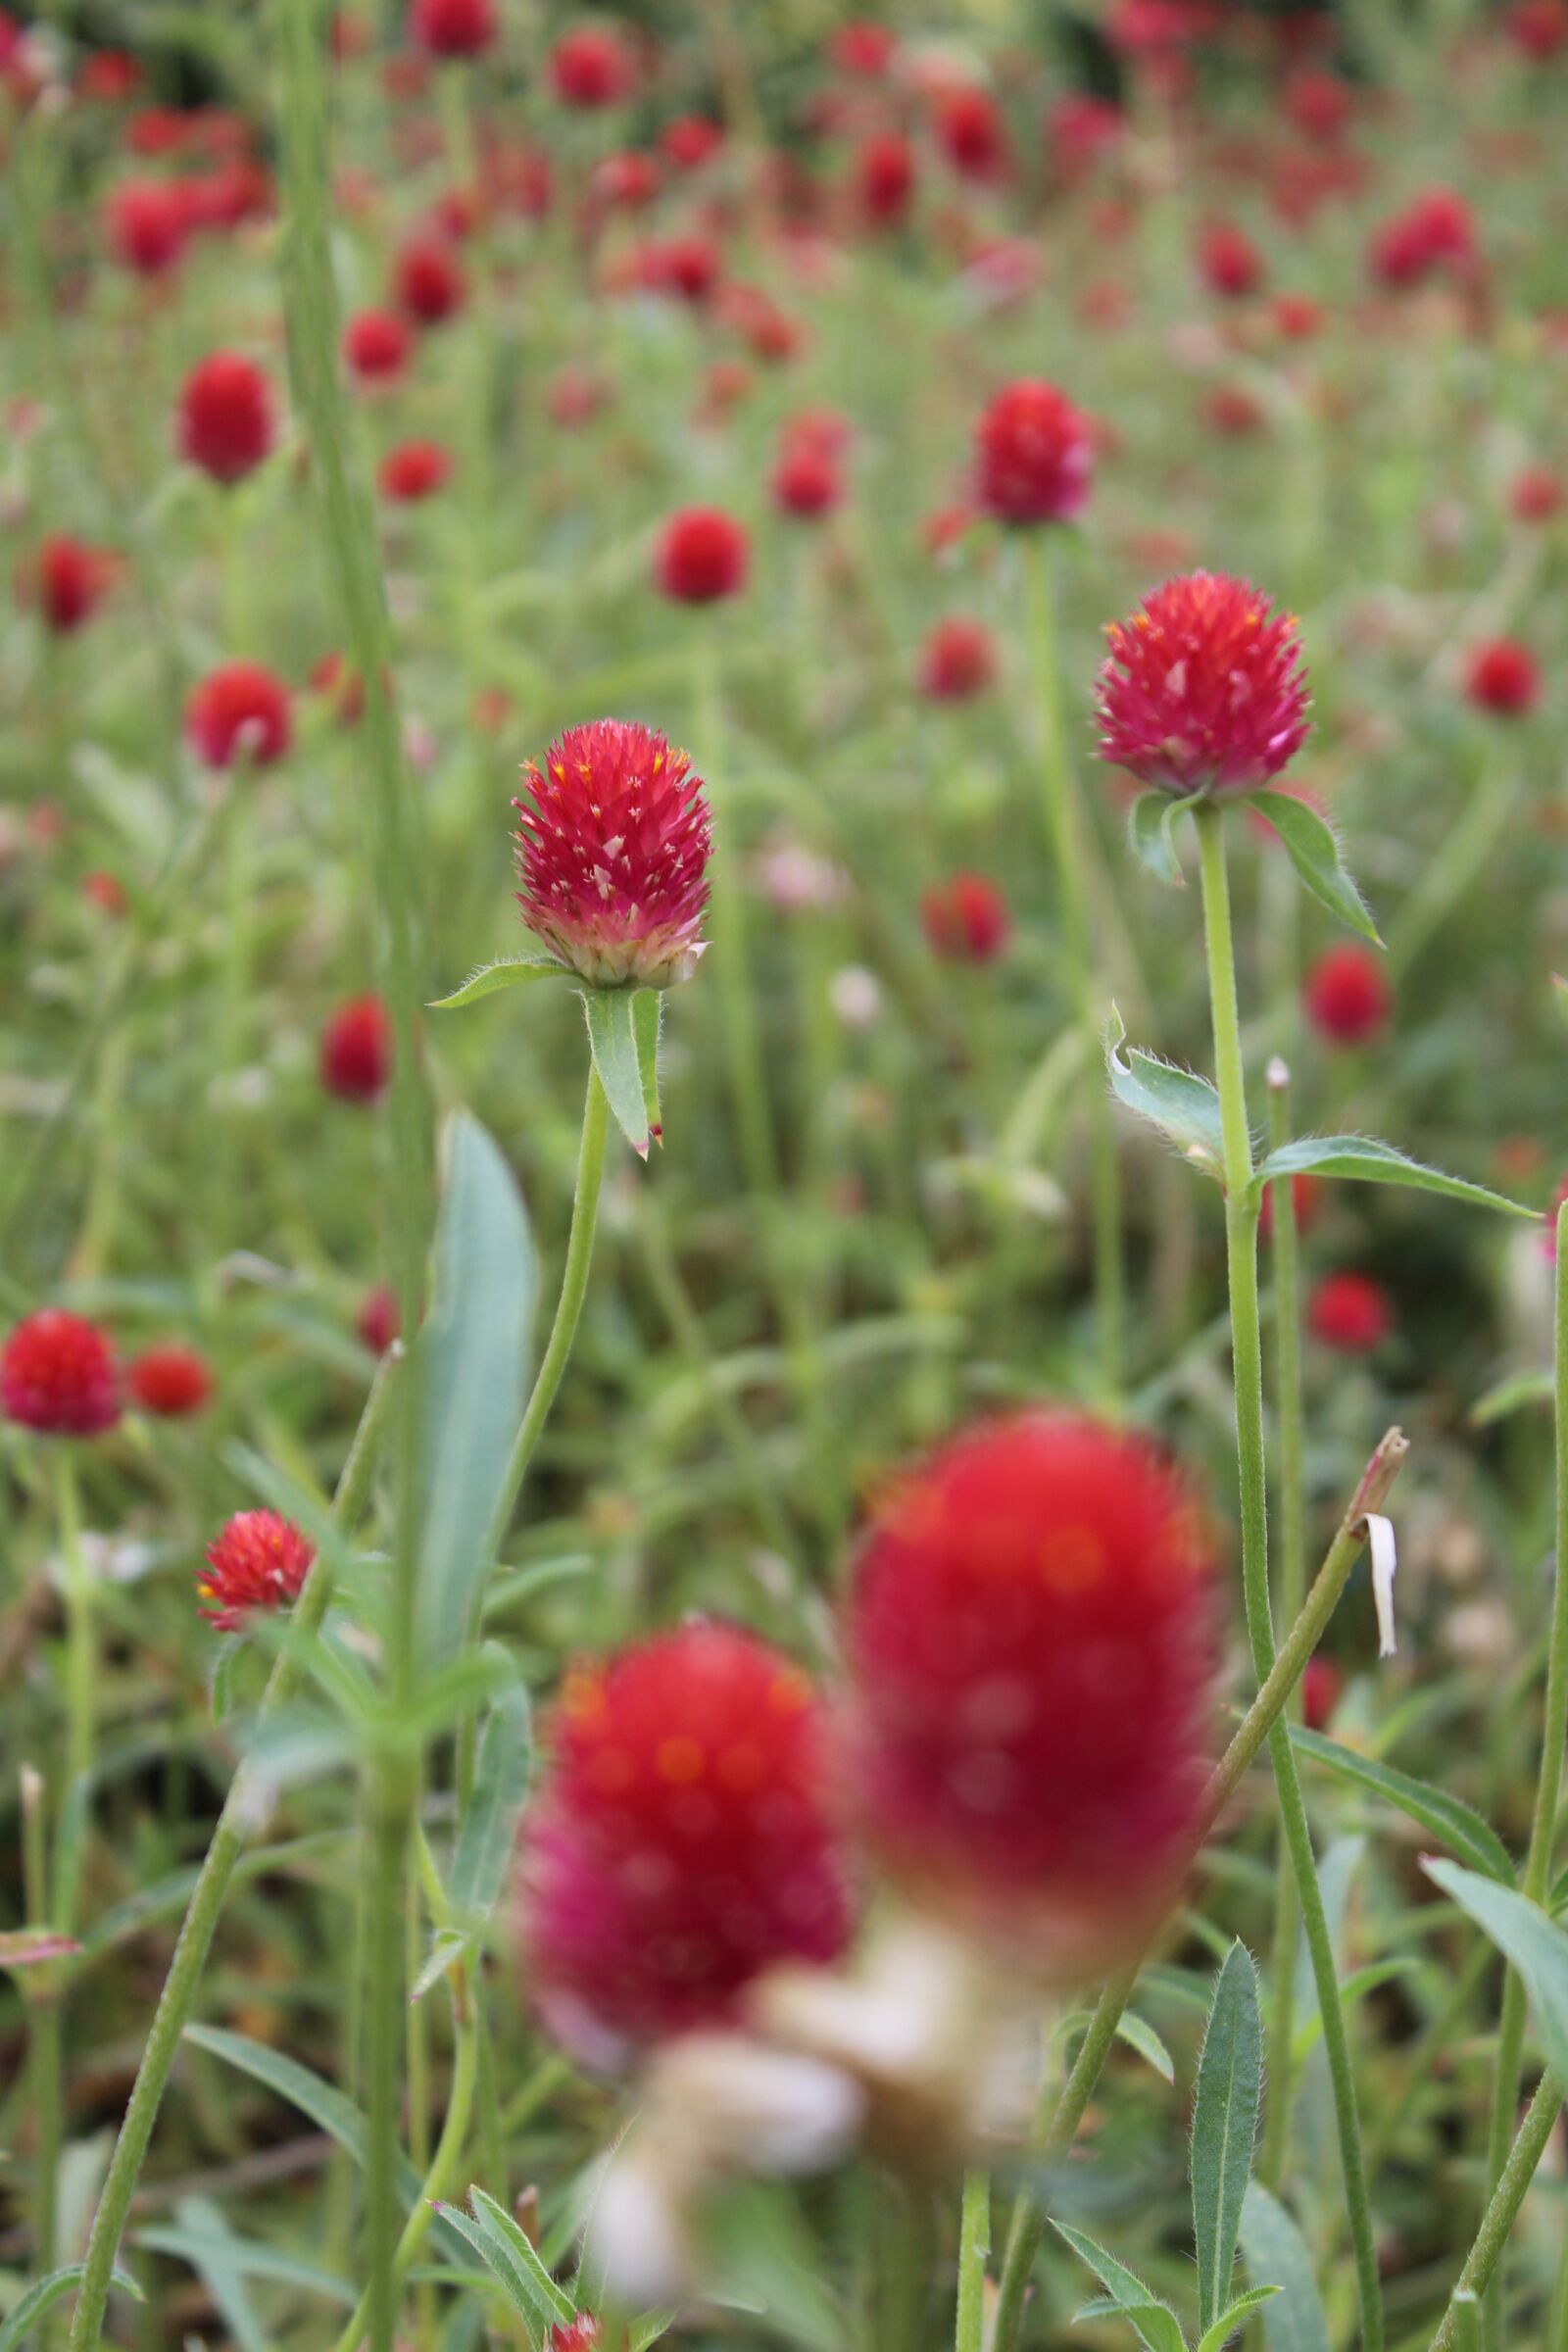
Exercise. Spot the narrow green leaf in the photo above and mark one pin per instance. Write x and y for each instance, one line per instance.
(647, 1019)
(248, 2257)
(492, 2256)
(551, 2301)
(1511, 1396)
(474, 1371)
(510, 973)
(329, 2109)
(1528, 1938)
(1365, 1159)
(1276, 2251)
(650, 2328)
(1230, 2318)
(1353, 1988)
(42, 2296)
(489, 1827)
(612, 1035)
(1149, 835)
(1140, 2035)
(1313, 848)
(447, 1948)
(1459, 1826)
(1154, 2320)
(1230, 2083)
(1181, 1104)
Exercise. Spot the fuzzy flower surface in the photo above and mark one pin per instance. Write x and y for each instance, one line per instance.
(1030, 1640)
(259, 1560)
(614, 837)
(1034, 454)
(1203, 689)
(58, 1374)
(680, 1841)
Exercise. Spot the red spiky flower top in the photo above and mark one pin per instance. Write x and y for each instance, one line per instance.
(614, 836)
(1202, 690)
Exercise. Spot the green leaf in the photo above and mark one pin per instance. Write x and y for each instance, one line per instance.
(44, 2294)
(1181, 1104)
(474, 1370)
(509, 2256)
(1154, 2320)
(1230, 2318)
(448, 1946)
(535, 965)
(1141, 2035)
(1230, 2083)
(1275, 2250)
(1460, 1828)
(647, 1019)
(1149, 835)
(1512, 1395)
(1313, 848)
(612, 1034)
(1368, 1161)
(327, 2107)
(1528, 1938)
(650, 2328)
(489, 1827)
(215, 2246)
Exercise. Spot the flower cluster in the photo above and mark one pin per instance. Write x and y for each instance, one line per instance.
(1202, 690)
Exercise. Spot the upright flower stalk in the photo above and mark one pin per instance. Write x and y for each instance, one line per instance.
(234, 1826)
(1246, 1350)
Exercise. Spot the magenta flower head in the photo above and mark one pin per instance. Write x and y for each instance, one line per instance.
(1202, 690)
(614, 837)
(1034, 454)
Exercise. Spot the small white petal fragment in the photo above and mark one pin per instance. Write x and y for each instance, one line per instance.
(1379, 1534)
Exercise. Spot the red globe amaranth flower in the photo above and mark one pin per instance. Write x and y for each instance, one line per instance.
(109, 76)
(972, 132)
(689, 266)
(626, 182)
(376, 345)
(170, 1379)
(106, 892)
(1307, 1198)
(146, 223)
(965, 919)
(1537, 493)
(428, 281)
(1078, 131)
(1538, 28)
(1502, 678)
(415, 470)
(1030, 1639)
(702, 556)
(1349, 1312)
(69, 580)
(591, 68)
(1435, 231)
(1229, 261)
(1317, 104)
(378, 1322)
(1202, 689)
(355, 1060)
(240, 710)
(1034, 454)
(58, 1374)
(806, 480)
(226, 422)
(451, 28)
(884, 178)
(580, 2334)
(614, 837)
(863, 47)
(958, 660)
(259, 1561)
(1295, 316)
(679, 1843)
(690, 142)
(1346, 996)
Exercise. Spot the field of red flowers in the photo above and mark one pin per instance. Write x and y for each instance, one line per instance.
(783, 1360)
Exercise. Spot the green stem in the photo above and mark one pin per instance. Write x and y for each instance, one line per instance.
(568, 1308)
(394, 867)
(80, 1676)
(1055, 2132)
(1538, 1870)
(1486, 2255)
(234, 1826)
(1065, 823)
(1247, 1350)
(43, 2032)
(1290, 1421)
(442, 2175)
(974, 2244)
